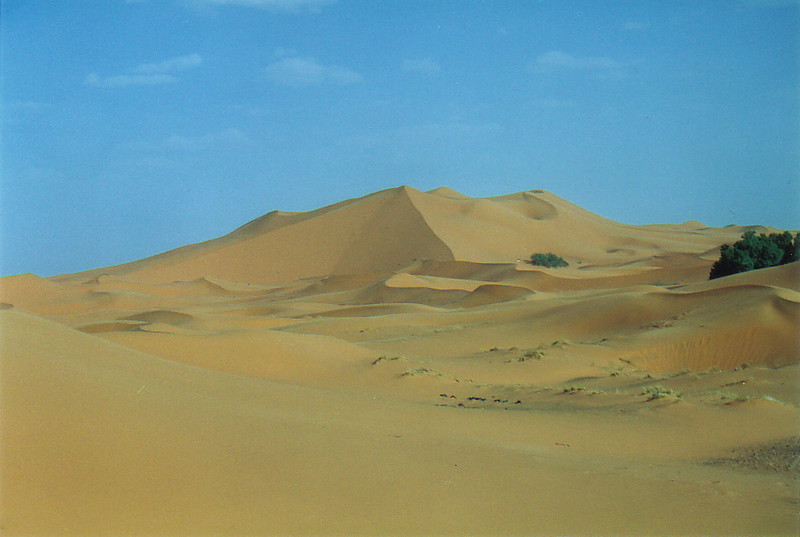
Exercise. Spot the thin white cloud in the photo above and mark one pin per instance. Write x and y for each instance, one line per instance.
(422, 137)
(289, 6)
(768, 3)
(123, 81)
(554, 103)
(177, 142)
(556, 58)
(633, 26)
(423, 65)
(180, 63)
(147, 74)
(28, 106)
(455, 132)
(304, 71)
(225, 137)
(281, 52)
(599, 66)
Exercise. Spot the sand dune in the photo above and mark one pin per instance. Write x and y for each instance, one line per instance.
(389, 230)
(161, 316)
(267, 354)
(392, 365)
(31, 292)
(492, 294)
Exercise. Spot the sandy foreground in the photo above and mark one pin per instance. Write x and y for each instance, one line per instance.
(388, 366)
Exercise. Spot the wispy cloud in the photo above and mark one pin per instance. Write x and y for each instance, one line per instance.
(558, 59)
(147, 74)
(634, 26)
(768, 3)
(230, 137)
(123, 81)
(423, 65)
(225, 137)
(425, 136)
(289, 6)
(598, 66)
(458, 131)
(180, 63)
(554, 103)
(28, 106)
(305, 71)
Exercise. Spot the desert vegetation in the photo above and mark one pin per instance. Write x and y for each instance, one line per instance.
(756, 251)
(548, 260)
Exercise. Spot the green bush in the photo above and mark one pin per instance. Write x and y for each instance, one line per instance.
(548, 260)
(756, 251)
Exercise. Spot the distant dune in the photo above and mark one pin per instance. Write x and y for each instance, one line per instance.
(391, 229)
(391, 365)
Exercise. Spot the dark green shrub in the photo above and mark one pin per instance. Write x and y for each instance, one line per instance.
(789, 247)
(548, 260)
(756, 251)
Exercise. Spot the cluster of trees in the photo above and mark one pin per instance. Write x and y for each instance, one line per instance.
(549, 260)
(756, 251)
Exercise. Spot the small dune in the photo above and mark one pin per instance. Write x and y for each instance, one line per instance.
(406, 289)
(116, 326)
(437, 283)
(266, 354)
(31, 292)
(492, 294)
(161, 316)
(378, 310)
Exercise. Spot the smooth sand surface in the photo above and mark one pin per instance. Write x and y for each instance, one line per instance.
(390, 366)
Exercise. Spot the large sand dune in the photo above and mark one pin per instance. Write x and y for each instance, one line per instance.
(391, 229)
(389, 365)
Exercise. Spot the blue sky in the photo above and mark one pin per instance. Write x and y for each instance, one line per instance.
(132, 127)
